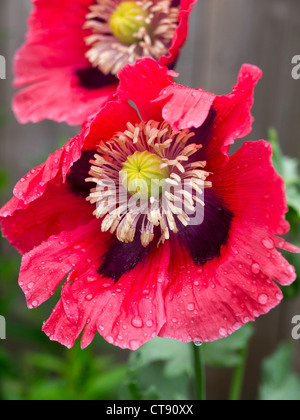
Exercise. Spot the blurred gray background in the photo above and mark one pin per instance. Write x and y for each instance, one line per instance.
(224, 34)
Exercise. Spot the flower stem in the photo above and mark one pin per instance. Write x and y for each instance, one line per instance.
(200, 377)
(238, 377)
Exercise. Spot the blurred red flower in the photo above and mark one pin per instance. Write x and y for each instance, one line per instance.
(74, 49)
(133, 276)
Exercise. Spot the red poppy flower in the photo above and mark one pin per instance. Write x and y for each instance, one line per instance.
(74, 49)
(144, 269)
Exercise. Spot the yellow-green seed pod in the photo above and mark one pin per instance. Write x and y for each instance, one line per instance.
(142, 175)
(127, 20)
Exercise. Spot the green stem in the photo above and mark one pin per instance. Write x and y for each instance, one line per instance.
(200, 377)
(238, 377)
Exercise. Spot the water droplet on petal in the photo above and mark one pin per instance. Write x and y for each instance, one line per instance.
(263, 299)
(255, 268)
(137, 322)
(268, 243)
(134, 344)
(223, 332)
(237, 326)
(34, 304)
(198, 343)
(190, 307)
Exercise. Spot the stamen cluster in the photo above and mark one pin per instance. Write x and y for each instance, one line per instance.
(123, 32)
(184, 181)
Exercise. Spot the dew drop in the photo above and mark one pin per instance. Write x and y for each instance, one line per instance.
(149, 323)
(263, 299)
(134, 344)
(237, 326)
(190, 307)
(268, 243)
(255, 268)
(137, 322)
(90, 279)
(223, 332)
(198, 343)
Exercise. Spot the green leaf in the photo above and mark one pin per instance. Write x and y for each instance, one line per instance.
(279, 382)
(159, 370)
(50, 390)
(3, 179)
(225, 353)
(288, 168)
(176, 355)
(104, 386)
(277, 153)
(293, 291)
(163, 367)
(45, 362)
(152, 383)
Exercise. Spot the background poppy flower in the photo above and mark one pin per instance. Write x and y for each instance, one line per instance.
(74, 49)
(168, 278)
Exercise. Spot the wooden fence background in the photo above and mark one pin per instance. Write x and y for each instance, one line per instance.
(224, 34)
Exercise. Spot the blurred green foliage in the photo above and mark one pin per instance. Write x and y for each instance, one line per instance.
(67, 375)
(279, 383)
(288, 168)
(164, 368)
